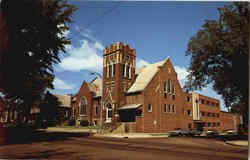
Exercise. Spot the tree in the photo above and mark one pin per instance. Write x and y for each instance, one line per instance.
(219, 56)
(35, 39)
(49, 107)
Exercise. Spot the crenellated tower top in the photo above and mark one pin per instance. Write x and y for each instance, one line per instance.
(119, 47)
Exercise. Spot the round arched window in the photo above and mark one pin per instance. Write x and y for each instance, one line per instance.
(83, 105)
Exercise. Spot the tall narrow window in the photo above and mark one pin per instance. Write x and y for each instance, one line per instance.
(165, 108)
(173, 88)
(173, 108)
(128, 66)
(129, 71)
(169, 108)
(113, 69)
(110, 70)
(83, 104)
(123, 70)
(96, 109)
(169, 86)
(165, 89)
(107, 71)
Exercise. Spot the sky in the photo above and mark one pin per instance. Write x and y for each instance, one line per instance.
(155, 29)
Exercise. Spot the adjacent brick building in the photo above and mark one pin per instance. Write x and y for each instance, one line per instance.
(146, 99)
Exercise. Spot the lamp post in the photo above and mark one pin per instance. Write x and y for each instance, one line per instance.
(100, 76)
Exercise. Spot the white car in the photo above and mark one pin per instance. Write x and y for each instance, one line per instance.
(230, 132)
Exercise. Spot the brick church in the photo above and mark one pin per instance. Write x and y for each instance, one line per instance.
(145, 99)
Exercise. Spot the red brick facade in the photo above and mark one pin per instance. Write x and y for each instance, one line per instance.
(150, 97)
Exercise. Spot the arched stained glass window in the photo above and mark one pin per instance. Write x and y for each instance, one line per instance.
(83, 105)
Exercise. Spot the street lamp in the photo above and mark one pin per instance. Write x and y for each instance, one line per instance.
(100, 76)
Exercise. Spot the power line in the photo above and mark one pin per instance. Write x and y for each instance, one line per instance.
(98, 18)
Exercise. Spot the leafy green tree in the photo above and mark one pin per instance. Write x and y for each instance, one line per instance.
(35, 40)
(49, 107)
(219, 55)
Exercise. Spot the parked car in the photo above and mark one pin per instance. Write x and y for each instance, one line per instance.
(194, 132)
(229, 132)
(212, 133)
(178, 132)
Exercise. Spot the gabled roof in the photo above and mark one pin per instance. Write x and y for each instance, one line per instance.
(139, 70)
(96, 87)
(64, 99)
(145, 75)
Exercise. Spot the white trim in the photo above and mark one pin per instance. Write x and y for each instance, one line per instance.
(129, 71)
(108, 119)
(151, 108)
(125, 70)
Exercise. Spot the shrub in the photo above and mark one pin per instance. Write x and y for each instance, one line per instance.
(84, 123)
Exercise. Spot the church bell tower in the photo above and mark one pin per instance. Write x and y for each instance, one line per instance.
(118, 76)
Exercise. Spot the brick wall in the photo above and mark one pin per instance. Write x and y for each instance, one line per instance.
(227, 120)
(84, 92)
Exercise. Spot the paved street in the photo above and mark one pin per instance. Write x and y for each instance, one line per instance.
(79, 146)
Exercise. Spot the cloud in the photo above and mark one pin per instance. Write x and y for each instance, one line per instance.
(87, 56)
(181, 72)
(141, 62)
(60, 84)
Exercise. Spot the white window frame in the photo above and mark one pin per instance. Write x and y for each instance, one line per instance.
(150, 108)
(125, 70)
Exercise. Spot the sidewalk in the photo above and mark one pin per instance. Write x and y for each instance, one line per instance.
(238, 142)
(70, 130)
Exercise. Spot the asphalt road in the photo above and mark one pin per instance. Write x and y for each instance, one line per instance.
(76, 146)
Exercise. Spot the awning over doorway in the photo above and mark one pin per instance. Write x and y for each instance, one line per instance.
(130, 106)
